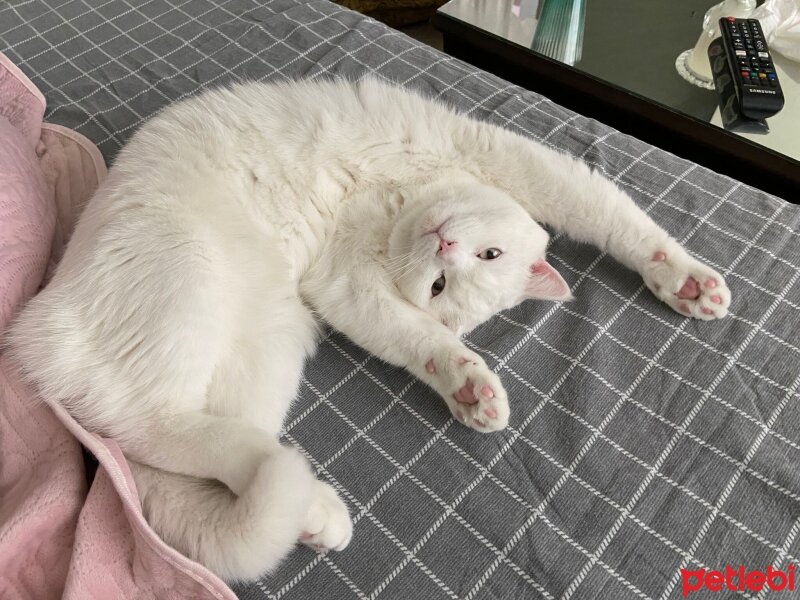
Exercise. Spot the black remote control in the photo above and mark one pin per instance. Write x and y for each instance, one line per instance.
(754, 78)
(730, 112)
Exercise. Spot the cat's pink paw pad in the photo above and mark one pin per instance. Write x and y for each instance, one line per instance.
(473, 392)
(482, 406)
(430, 367)
(690, 290)
(686, 284)
(465, 394)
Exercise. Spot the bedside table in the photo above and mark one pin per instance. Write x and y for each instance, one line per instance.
(614, 60)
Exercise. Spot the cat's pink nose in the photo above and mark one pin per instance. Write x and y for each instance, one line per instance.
(445, 246)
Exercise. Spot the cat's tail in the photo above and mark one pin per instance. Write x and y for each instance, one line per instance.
(237, 537)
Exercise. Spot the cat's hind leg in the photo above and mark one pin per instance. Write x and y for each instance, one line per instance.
(258, 379)
(258, 383)
(237, 537)
(327, 524)
(228, 449)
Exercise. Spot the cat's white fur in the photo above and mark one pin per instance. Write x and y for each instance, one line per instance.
(181, 315)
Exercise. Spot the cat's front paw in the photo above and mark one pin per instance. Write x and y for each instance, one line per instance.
(328, 525)
(473, 393)
(687, 285)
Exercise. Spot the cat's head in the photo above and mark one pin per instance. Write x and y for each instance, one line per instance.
(465, 251)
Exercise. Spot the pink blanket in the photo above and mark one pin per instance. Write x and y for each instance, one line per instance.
(59, 536)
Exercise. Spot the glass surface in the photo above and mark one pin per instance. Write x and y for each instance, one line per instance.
(632, 44)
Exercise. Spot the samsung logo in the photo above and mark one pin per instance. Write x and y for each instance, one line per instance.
(762, 91)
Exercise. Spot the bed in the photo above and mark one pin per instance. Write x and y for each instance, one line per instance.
(641, 443)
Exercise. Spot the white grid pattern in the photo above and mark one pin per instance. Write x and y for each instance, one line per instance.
(343, 44)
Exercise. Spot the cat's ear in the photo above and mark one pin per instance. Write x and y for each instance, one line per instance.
(545, 283)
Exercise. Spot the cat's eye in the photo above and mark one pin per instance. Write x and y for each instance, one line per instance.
(438, 286)
(490, 253)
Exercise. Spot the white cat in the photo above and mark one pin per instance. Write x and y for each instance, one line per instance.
(181, 315)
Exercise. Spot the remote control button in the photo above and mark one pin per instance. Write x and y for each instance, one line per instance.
(763, 54)
(741, 53)
(731, 19)
(772, 76)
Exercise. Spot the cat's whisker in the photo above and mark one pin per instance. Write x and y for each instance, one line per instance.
(394, 263)
(395, 260)
(404, 269)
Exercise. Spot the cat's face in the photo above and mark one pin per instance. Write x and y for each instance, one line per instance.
(463, 252)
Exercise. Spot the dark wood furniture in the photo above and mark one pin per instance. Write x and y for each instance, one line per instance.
(684, 130)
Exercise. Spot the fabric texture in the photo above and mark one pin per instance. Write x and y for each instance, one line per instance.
(640, 442)
(59, 539)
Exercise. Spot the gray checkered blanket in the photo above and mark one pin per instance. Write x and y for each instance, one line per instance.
(640, 442)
